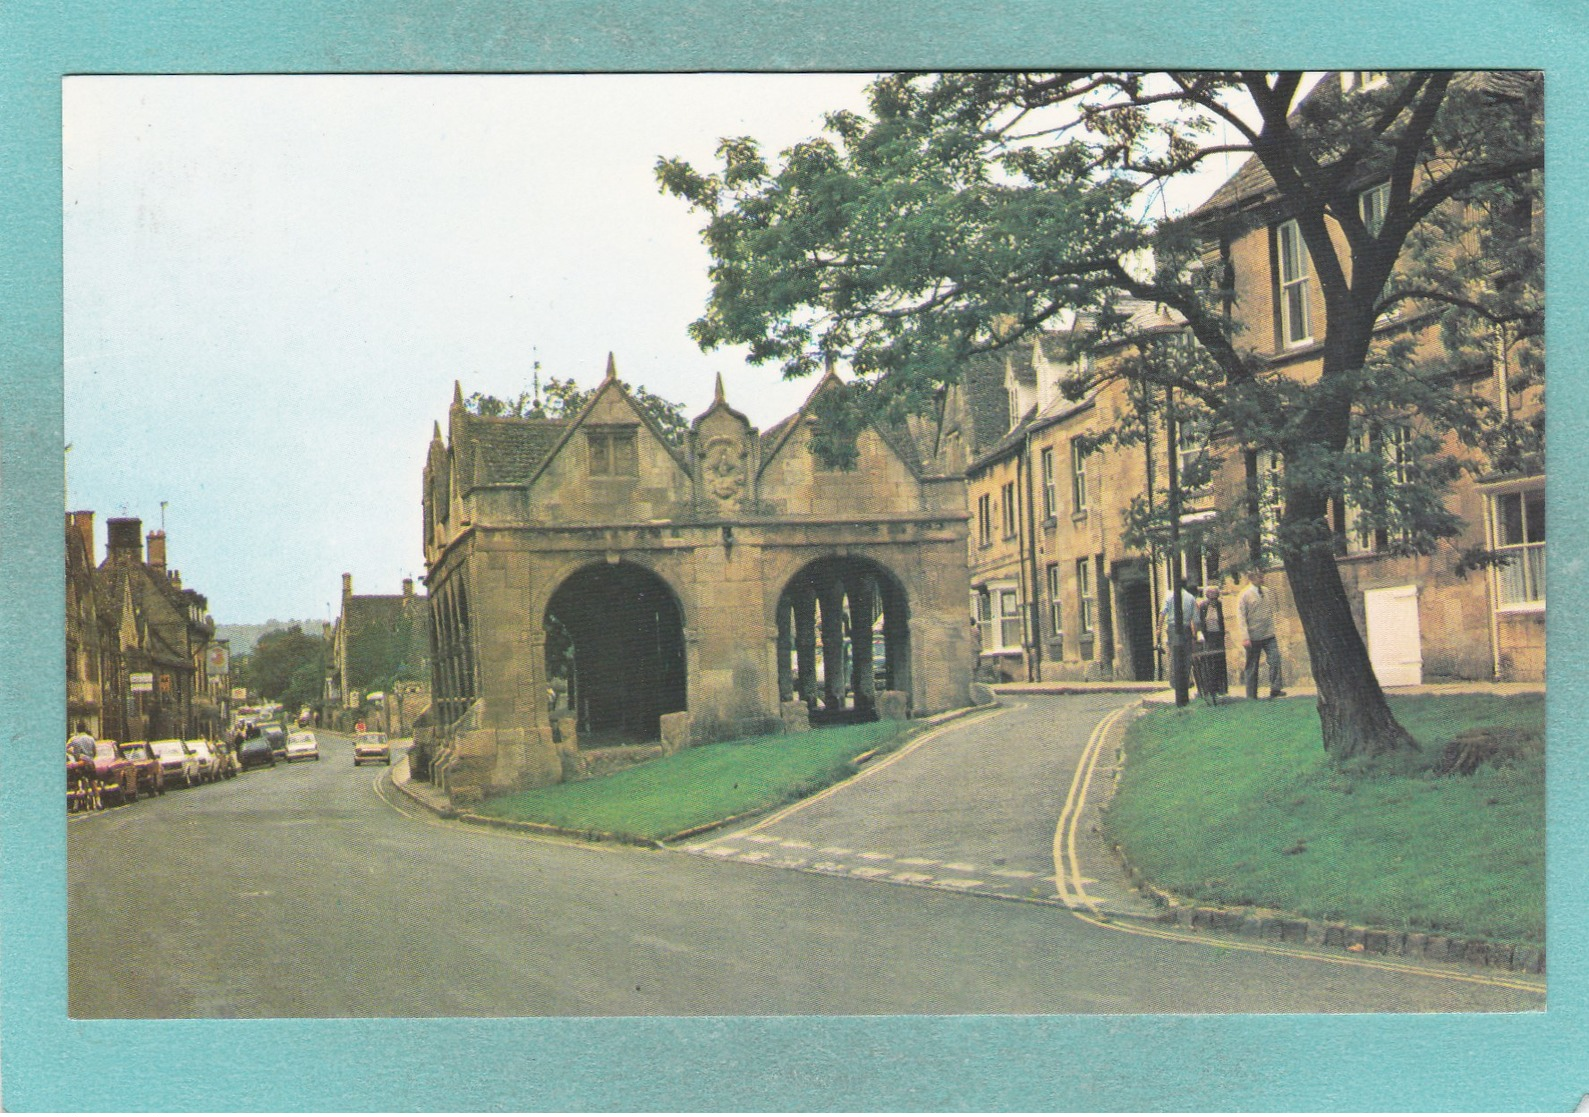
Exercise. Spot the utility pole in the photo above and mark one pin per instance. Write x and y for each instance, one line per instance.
(1178, 649)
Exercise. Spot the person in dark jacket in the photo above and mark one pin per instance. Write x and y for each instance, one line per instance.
(1208, 622)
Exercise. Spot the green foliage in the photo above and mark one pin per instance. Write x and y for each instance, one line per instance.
(383, 653)
(1238, 805)
(969, 211)
(564, 399)
(287, 666)
(701, 785)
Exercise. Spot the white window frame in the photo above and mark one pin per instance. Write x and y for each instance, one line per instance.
(1271, 502)
(1292, 267)
(1002, 618)
(1050, 496)
(1394, 439)
(1056, 611)
(1372, 205)
(1362, 80)
(984, 520)
(1528, 570)
(1086, 599)
(1010, 510)
(1078, 478)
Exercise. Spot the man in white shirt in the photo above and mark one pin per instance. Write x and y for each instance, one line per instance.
(1256, 610)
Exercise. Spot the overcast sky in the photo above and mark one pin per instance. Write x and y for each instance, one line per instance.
(272, 283)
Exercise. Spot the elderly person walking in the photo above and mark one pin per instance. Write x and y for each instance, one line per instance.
(1256, 609)
(1209, 624)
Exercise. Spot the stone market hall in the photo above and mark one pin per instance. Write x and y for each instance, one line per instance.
(594, 586)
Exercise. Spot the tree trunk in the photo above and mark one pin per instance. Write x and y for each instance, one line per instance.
(1353, 714)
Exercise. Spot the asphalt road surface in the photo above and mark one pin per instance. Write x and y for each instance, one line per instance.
(315, 891)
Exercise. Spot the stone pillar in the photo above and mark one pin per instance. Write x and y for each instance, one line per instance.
(863, 678)
(832, 596)
(785, 646)
(805, 618)
(896, 641)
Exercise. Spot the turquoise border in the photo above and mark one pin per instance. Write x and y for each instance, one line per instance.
(1431, 1063)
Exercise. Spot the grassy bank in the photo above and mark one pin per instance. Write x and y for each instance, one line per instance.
(1238, 805)
(702, 785)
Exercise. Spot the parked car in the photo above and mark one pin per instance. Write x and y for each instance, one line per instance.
(276, 737)
(256, 753)
(371, 746)
(227, 758)
(118, 780)
(209, 761)
(151, 776)
(178, 763)
(302, 746)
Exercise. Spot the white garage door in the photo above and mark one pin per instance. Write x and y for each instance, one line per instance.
(1394, 647)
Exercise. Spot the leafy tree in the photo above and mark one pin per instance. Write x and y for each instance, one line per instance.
(382, 653)
(287, 666)
(564, 399)
(968, 211)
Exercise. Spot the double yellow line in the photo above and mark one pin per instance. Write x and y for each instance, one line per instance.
(1073, 893)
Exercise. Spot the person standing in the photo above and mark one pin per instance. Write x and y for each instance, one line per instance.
(80, 746)
(1209, 624)
(1256, 609)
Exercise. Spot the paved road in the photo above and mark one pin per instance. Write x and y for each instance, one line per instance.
(301, 891)
(974, 807)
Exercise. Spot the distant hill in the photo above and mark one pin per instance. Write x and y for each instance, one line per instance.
(244, 636)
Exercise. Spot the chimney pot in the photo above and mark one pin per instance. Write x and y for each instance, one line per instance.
(347, 585)
(124, 539)
(408, 587)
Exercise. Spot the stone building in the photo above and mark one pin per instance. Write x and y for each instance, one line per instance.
(592, 584)
(1071, 600)
(149, 626)
(379, 640)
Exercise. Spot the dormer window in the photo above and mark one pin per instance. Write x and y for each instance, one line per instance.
(1361, 80)
(1371, 206)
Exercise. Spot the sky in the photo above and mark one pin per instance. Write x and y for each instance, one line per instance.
(272, 282)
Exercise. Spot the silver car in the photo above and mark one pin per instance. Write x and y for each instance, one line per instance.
(177, 761)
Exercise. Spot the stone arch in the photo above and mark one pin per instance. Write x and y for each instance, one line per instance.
(615, 651)
(843, 636)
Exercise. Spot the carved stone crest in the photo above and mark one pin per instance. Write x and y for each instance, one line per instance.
(723, 468)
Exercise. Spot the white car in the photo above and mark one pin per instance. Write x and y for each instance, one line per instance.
(302, 746)
(209, 765)
(176, 761)
(371, 746)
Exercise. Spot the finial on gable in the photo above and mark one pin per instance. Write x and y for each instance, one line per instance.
(612, 367)
(457, 394)
(719, 398)
(435, 435)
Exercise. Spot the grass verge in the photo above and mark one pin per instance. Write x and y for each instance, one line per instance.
(702, 785)
(1238, 805)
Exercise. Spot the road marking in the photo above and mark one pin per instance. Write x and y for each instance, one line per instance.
(917, 861)
(1012, 874)
(868, 871)
(955, 883)
(872, 769)
(911, 878)
(1068, 877)
(870, 856)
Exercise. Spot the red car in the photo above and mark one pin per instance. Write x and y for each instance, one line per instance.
(118, 778)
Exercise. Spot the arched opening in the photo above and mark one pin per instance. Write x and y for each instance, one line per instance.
(843, 637)
(615, 653)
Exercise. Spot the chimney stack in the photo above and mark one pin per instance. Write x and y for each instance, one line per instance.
(124, 540)
(408, 587)
(347, 586)
(83, 524)
(157, 550)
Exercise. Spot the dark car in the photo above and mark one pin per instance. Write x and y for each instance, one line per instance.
(256, 753)
(276, 738)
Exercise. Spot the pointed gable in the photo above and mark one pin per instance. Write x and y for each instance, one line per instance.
(794, 481)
